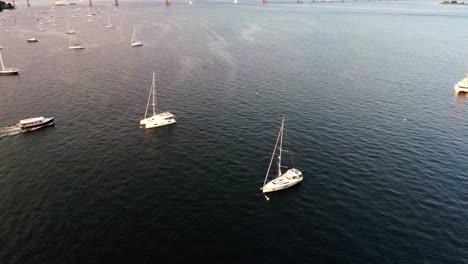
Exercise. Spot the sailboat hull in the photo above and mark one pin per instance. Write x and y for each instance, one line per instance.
(288, 179)
(8, 72)
(158, 120)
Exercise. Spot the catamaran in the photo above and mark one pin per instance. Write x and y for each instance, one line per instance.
(135, 43)
(158, 119)
(7, 71)
(109, 25)
(73, 45)
(283, 180)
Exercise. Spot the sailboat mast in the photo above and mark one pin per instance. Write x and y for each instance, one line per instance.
(1, 60)
(154, 94)
(133, 35)
(280, 147)
(272, 157)
(149, 97)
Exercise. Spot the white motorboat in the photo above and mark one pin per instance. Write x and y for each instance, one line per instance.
(32, 40)
(7, 71)
(157, 119)
(283, 180)
(135, 43)
(462, 85)
(35, 123)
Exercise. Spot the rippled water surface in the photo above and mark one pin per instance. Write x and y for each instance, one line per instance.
(97, 189)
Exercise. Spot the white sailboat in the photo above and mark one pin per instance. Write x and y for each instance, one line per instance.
(109, 25)
(53, 22)
(7, 71)
(283, 180)
(158, 119)
(190, 2)
(73, 45)
(235, 1)
(135, 43)
(70, 30)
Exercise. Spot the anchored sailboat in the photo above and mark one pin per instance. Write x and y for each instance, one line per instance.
(158, 119)
(41, 28)
(69, 30)
(109, 25)
(7, 71)
(135, 43)
(282, 181)
(73, 45)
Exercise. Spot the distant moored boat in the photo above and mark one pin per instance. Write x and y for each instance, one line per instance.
(109, 25)
(73, 45)
(7, 71)
(462, 86)
(135, 43)
(157, 119)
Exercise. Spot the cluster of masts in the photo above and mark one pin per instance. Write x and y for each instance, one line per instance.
(73, 44)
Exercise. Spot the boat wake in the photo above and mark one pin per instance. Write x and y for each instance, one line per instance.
(10, 131)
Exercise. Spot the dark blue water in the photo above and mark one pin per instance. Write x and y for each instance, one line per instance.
(97, 189)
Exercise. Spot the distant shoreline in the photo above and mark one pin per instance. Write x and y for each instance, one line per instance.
(4, 5)
(452, 3)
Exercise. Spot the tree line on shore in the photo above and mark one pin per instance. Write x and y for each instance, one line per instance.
(4, 5)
